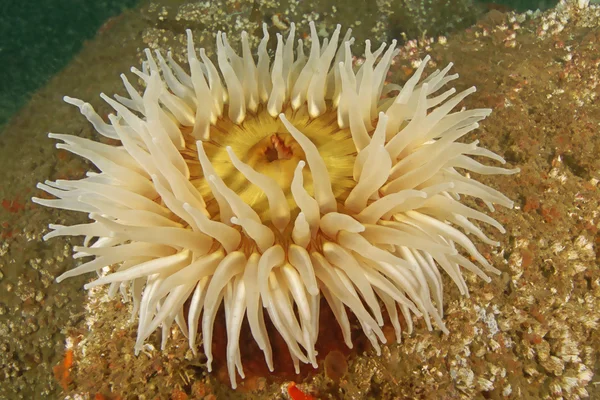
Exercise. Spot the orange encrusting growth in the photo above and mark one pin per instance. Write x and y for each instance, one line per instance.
(297, 394)
(62, 371)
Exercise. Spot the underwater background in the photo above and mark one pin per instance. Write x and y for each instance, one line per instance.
(38, 38)
(531, 333)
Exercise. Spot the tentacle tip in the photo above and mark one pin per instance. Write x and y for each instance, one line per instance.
(313, 290)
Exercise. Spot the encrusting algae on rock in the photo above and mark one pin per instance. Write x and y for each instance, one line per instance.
(265, 184)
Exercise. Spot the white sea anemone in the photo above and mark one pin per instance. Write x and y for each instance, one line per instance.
(266, 184)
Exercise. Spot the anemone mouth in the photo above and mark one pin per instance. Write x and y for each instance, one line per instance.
(266, 184)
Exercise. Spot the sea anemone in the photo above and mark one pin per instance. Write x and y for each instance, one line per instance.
(266, 183)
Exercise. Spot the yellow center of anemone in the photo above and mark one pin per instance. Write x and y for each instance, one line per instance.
(263, 143)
